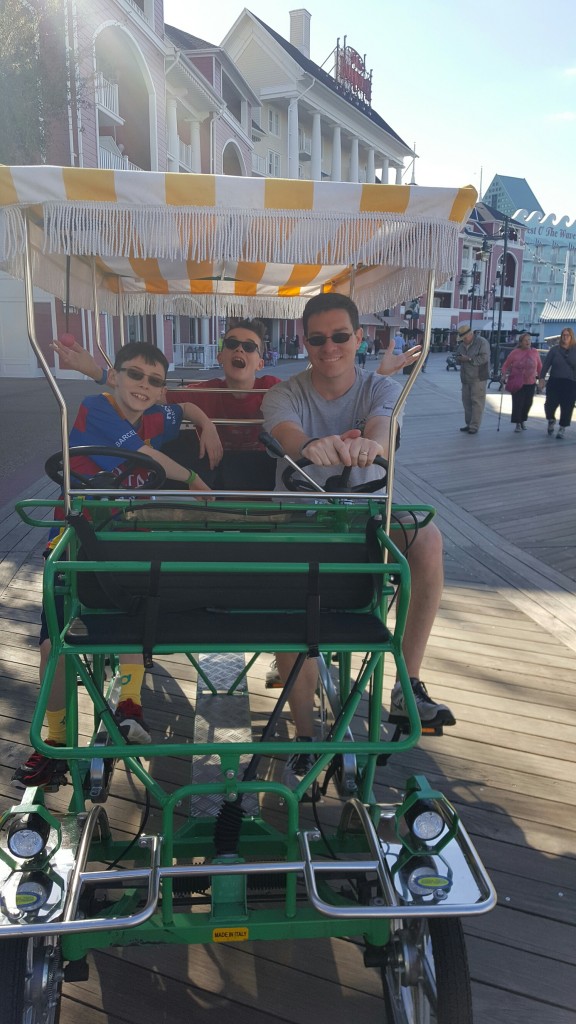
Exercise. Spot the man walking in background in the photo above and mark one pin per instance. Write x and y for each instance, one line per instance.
(473, 357)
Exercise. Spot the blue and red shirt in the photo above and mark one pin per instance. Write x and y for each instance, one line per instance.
(100, 422)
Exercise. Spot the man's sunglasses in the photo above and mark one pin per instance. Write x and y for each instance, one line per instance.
(339, 338)
(233, 343)
(153, 380)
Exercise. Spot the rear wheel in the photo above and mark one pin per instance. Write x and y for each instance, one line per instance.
(427, 980)
(31, 980)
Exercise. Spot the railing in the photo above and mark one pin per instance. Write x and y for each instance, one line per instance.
(304, 144)
(185, 154)
(107, 94)
(195, 355)
(259, 165)
(115, 161)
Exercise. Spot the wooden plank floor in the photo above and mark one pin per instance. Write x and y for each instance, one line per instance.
(502, 655)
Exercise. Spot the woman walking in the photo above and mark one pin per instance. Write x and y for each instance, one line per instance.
(521, 370)
(561, 386)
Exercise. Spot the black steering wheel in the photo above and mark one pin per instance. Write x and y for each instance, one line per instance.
(105, 479)
(294, 481)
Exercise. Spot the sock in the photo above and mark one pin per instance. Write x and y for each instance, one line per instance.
(56, 726)
(131, 678)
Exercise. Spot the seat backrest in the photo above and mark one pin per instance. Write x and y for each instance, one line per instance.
(225, 590)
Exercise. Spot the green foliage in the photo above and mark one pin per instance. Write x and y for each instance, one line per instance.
(33, 78)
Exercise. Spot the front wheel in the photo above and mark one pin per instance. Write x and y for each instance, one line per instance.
(31, 980)
(427, 980)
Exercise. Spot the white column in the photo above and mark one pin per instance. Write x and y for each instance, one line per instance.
(370, 169)
(316, 164)
(204, 330)
(354, 160)
(293, 144)
(385, 166)
(173, 154)
(196, 148)
(399, 170)
(336, 174)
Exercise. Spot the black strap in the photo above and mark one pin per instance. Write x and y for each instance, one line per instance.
(151, 613)
(313, 610)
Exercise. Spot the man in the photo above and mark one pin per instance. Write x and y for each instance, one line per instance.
(473, 357)
(336, 414)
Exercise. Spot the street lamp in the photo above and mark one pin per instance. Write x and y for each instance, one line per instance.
(505, 231)
(482, 255)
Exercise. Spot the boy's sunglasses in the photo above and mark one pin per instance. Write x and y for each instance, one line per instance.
(153, 380)
(339, 338)
(234, 343)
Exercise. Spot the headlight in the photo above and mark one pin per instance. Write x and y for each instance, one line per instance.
(424, 822)
(32, 892)
(28, 835)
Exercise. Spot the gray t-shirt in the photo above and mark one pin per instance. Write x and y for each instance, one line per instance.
(297, 401)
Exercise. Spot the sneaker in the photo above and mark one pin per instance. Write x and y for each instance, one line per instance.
(518, 429)
(273, 677)
(297, 767)
(40, 770)
(524, 425)
(560, 434)
(472, 430)
(429, 710)
(130, 722)
(464, 430)
(551, 424)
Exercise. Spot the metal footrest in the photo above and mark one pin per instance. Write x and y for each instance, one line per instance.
(221, 717)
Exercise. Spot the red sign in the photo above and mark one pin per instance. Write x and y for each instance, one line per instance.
(351, 73)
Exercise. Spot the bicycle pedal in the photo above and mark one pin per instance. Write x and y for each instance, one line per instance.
(274, 686)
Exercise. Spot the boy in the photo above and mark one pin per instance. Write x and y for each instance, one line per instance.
(129, 418)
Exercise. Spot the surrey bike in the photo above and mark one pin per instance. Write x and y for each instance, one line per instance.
(160, 574)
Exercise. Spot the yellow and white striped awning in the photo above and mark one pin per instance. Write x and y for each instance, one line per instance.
(203, 244)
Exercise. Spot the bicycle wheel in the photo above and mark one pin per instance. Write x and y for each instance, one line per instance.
(31, 980)
(427, 979)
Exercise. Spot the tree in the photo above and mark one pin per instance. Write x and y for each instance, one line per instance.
(34, 84)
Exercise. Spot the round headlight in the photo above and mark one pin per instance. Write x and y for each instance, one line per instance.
(427, 825)
(32, 892)
(28, 835)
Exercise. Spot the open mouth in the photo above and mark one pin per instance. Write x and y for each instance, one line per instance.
(238, 362)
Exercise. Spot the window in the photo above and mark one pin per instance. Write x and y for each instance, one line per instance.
(273, 121)
(273, 164)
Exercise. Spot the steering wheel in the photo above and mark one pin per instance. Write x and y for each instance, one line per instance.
(293, 481)
(105, 479)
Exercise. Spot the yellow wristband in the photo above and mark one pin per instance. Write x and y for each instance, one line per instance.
(192, 477)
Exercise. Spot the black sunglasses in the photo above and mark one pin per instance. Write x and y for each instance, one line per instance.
(233, 343)
(153, 380)
(339, 338)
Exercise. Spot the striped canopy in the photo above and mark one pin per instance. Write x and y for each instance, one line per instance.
(202, 244)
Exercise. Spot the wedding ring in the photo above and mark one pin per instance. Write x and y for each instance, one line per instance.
(363, 453)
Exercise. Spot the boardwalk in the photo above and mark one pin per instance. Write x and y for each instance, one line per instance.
(502, 655)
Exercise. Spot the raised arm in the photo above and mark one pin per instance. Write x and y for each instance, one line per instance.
(77, 358)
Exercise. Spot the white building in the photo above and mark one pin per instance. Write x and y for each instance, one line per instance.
(315, 125)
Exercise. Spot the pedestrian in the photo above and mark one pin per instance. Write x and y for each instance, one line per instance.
(560, 364)
(473, 357)
(520, 370)
(282, 346)
(362, 352)
(398, 343)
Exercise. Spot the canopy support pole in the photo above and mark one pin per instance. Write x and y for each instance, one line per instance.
(31, 326)
(410, 382)
(97, 331)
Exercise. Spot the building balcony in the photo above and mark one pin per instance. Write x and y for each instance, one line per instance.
(111, 160)
(184, 154)
(259, 165)
(108, 101)
(304, 146)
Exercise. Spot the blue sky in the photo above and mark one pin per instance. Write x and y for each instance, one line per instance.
(480, 88)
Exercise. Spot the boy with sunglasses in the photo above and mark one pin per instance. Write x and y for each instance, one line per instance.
(235, 397)
(336, 414)
(129, 418)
